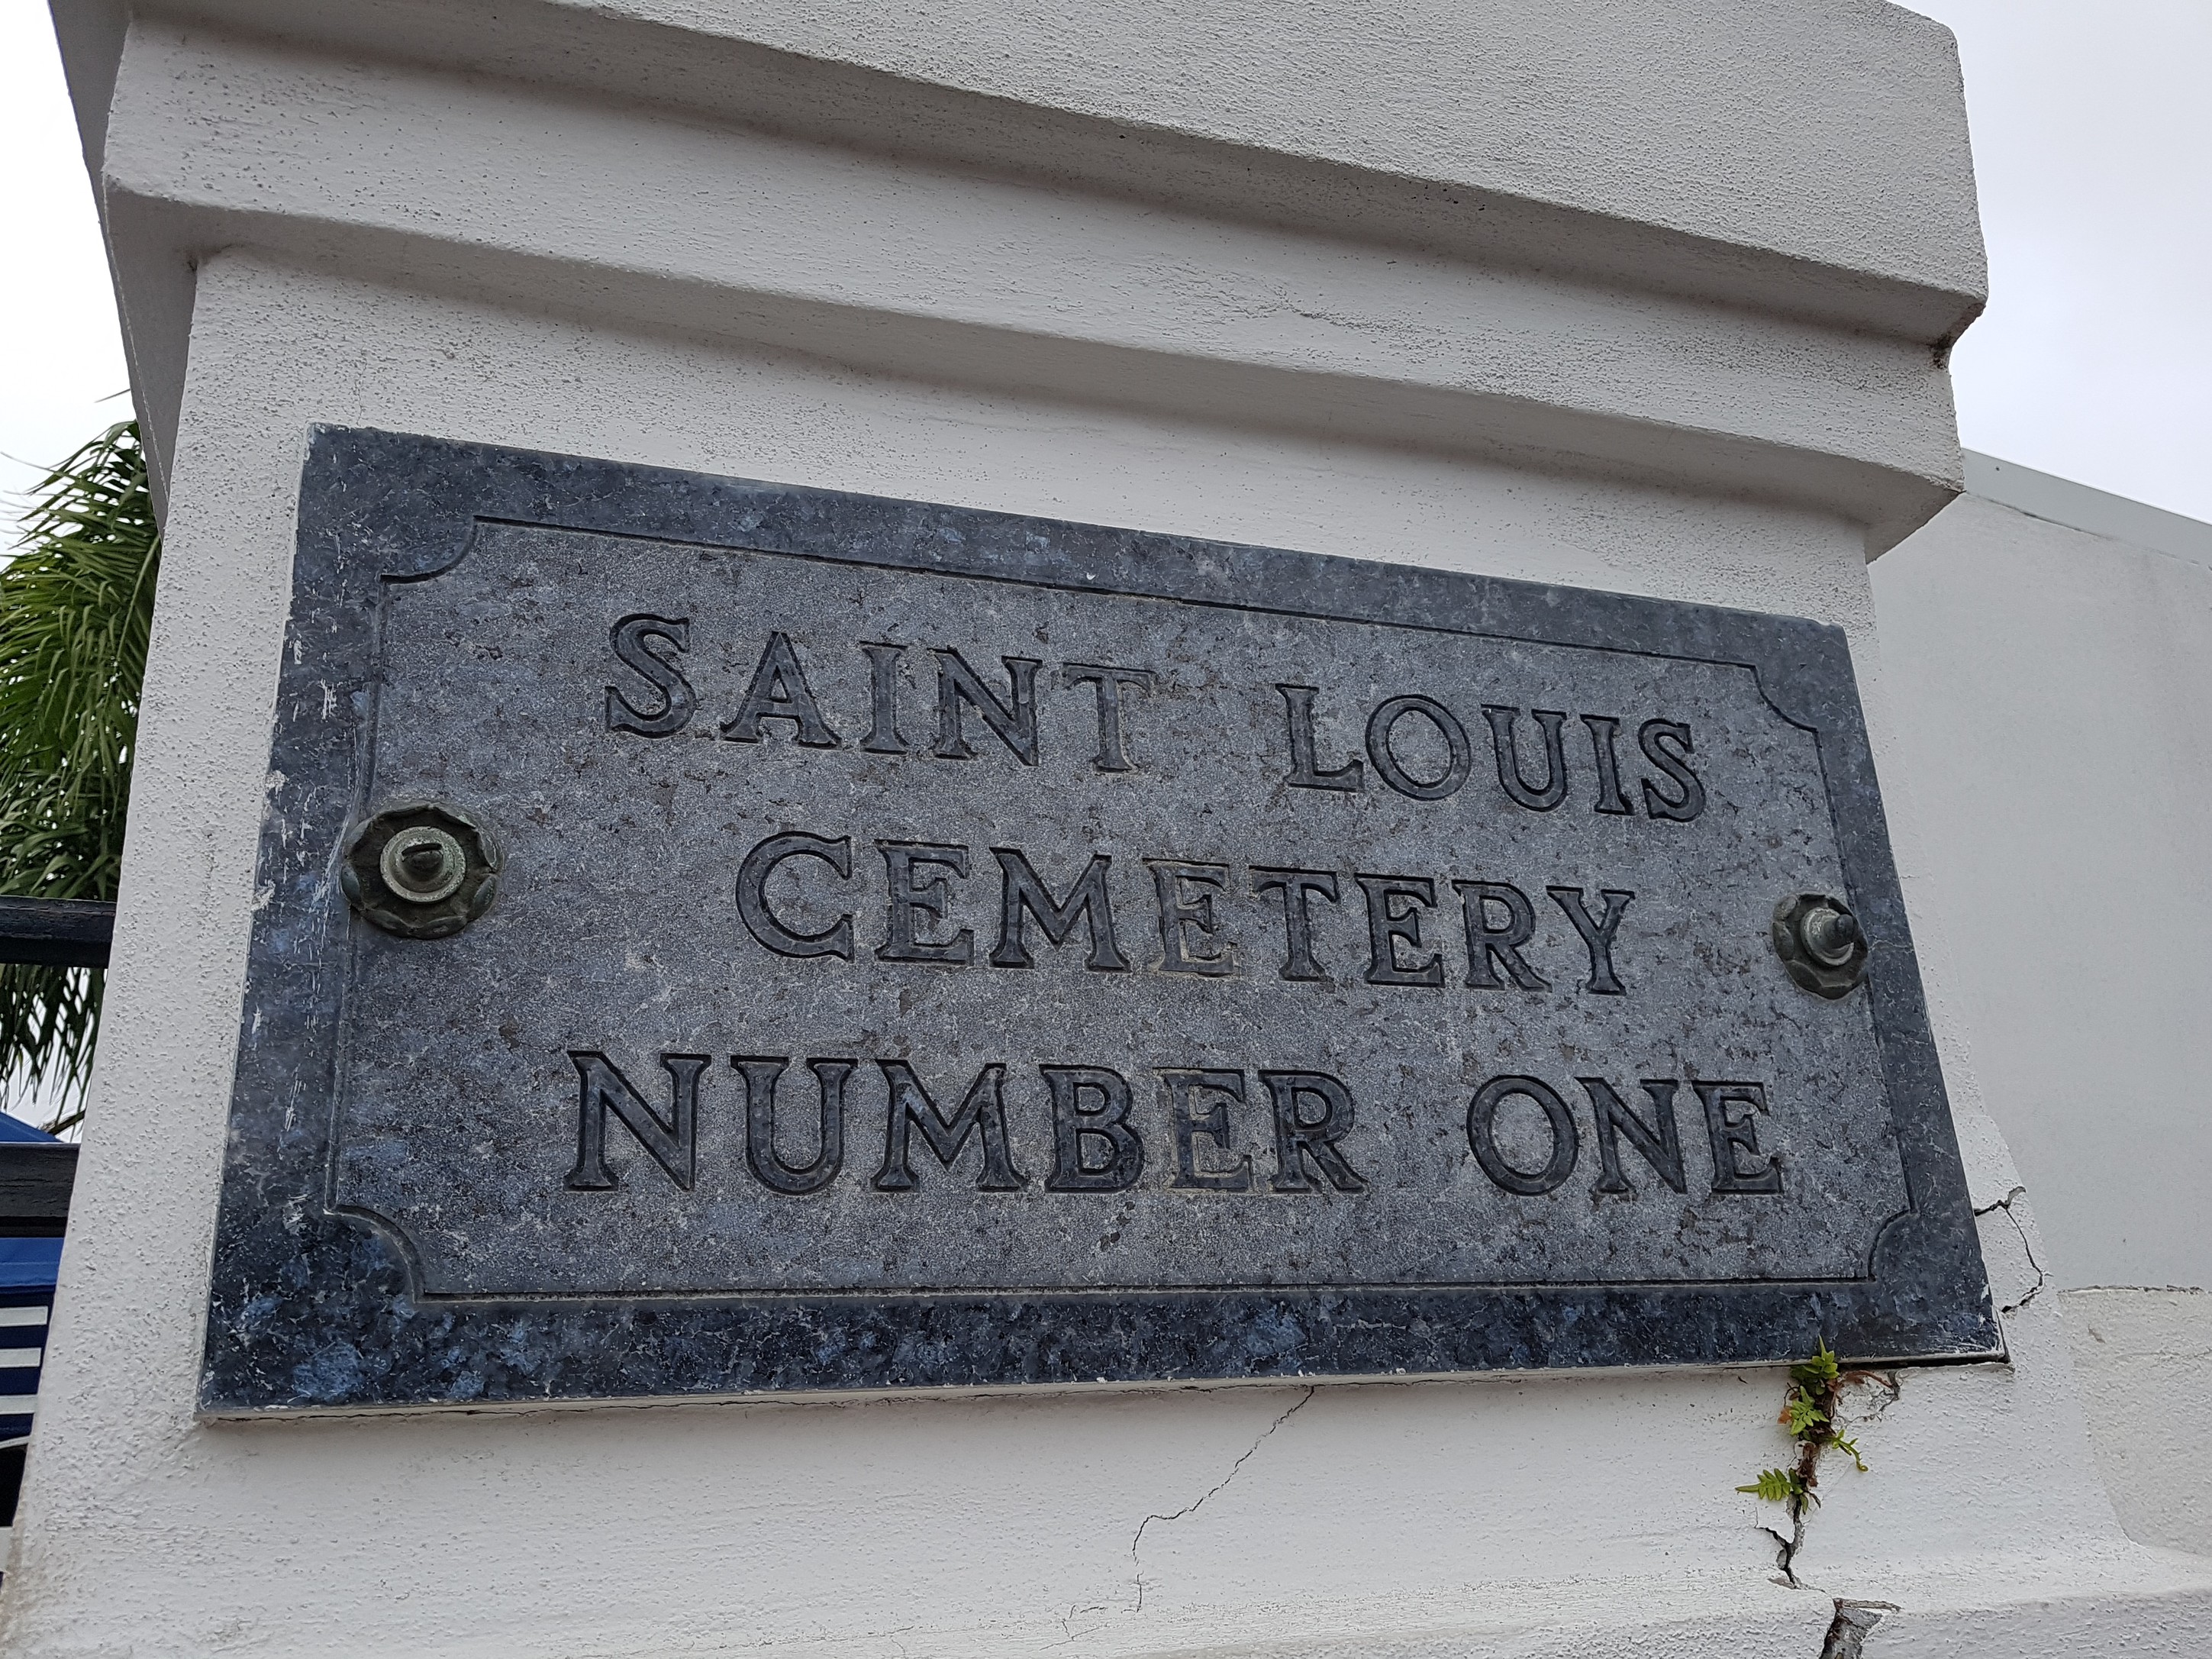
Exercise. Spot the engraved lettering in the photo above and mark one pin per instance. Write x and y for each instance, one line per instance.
(1384, 721)
(835, 939)
(883, 737)
(1182, 913)
(1482, 1135)
(1603, 728)
(1732, 1111)
(1304, 771)
(1305, 1146)
(629, 638)
(1113, 754)
(1667, 746)
(761, 1074)
(1297, 888)
(982, 1113)
(602, 1088)
(1022, 895)
(1597, 933)
(1662, 1147)
(1074, 1124)
(1393, 906)
(958, 688)
(1494, 942)
(916, 904)
(779, 691)
(1537, 798)
(1192, 1123)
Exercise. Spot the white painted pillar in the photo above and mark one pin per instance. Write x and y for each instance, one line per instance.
(1650, 298)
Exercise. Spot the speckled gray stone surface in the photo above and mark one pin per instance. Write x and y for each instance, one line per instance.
(977, 828)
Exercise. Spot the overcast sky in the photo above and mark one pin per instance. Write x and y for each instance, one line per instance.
(2093, 150)
(2092, 142)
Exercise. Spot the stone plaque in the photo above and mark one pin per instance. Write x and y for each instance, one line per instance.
(894, 945)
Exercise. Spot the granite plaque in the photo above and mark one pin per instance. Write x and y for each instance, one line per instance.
(903, 945)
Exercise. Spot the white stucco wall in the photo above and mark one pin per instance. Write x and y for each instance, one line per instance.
(1747, 286)
(2059, 683)
(2049, 648)
(950, 1526)
(2136, 1352)
(359, 262)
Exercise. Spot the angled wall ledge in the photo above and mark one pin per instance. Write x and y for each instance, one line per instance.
(1746, 204)
(1374, 284)
(2061, 501)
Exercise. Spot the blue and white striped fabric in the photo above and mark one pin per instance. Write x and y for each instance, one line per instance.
(28, 1267)
(28, 1270)
(22, 1347)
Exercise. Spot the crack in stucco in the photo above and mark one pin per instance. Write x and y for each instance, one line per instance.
(2041, 1277)
(1136, 1541)
(1809, 1465)
(1068, 1632)
(1847, 1631)
(1788, 1551)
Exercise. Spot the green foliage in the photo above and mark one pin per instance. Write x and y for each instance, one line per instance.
(1817, 1374)
(1808, 1413)
(77, 603)
(1800, 1413)
(1781, 1487)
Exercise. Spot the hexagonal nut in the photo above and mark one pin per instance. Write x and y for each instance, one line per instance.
(1820, 943)
(419, 870)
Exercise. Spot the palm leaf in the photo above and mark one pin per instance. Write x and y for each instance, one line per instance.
(76, 602)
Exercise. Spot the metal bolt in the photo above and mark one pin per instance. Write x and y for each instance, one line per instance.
(422, 865)
(419, 870)
(1829, 936)
(1820, 943)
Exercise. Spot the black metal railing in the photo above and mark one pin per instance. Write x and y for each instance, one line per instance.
(58, 933)
(36, 1180)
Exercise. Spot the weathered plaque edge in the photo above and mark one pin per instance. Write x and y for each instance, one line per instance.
(307, 1310)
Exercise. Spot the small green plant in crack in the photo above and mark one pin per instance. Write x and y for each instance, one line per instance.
(1780, 1486)
(1809, 1413)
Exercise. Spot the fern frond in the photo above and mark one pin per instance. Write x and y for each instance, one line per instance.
(1776, 1486)
(1819, 1374)
(1801, 1413)
(1850, 1449)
